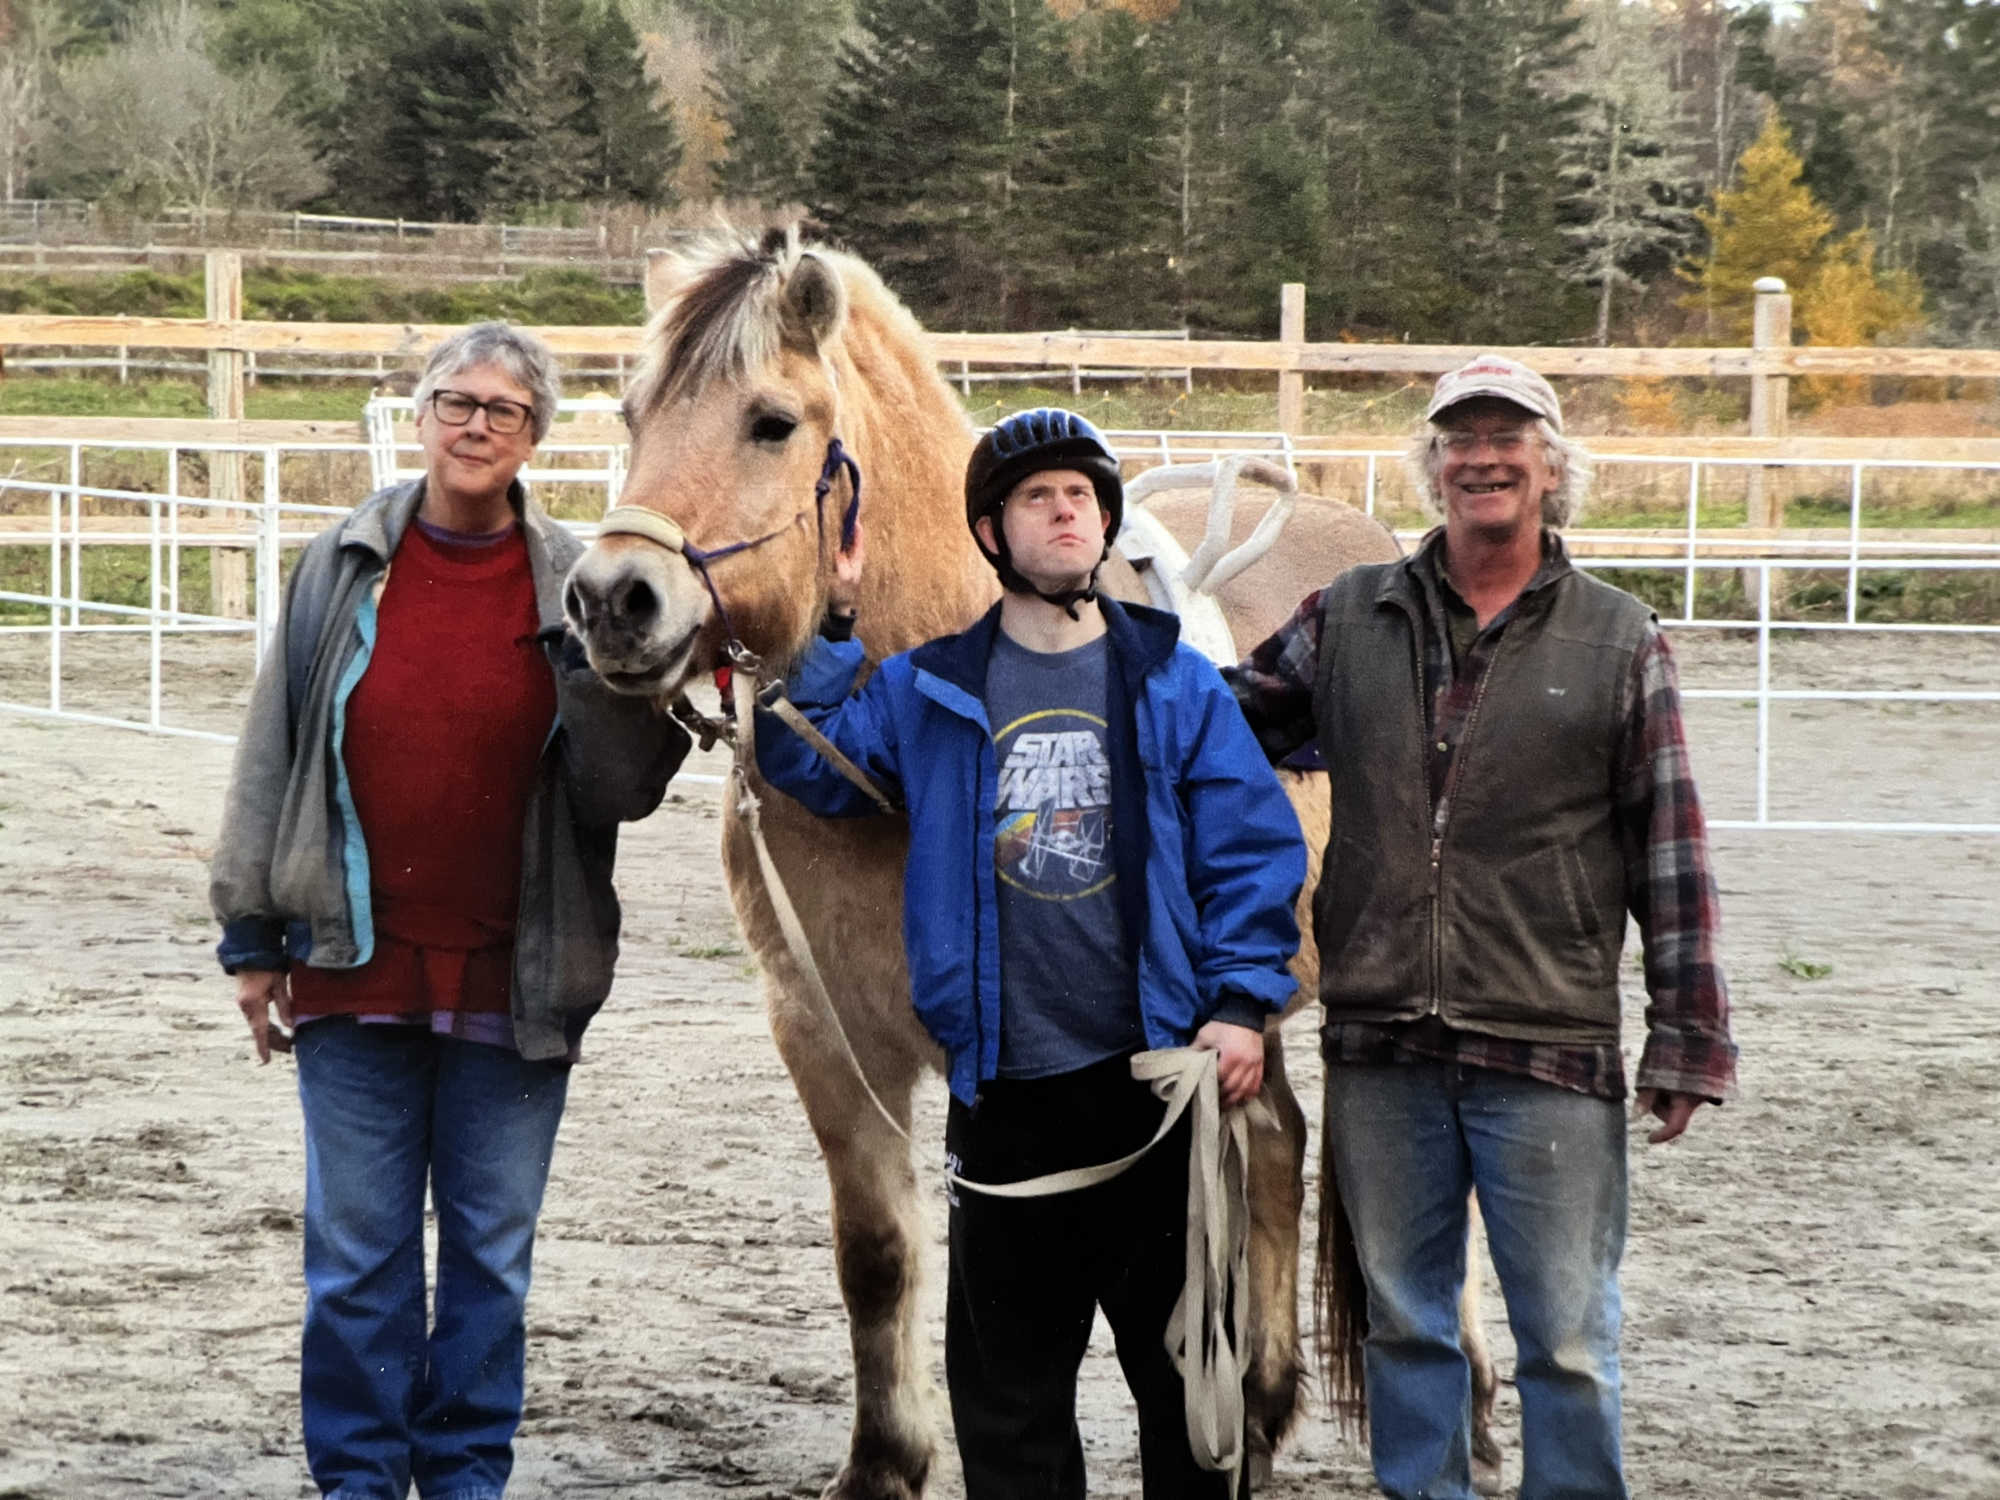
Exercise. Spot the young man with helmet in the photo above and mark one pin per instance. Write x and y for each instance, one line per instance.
(1101, 863)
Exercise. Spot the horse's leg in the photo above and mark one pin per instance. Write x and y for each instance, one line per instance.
(877, 1247)
(1485, 1381)
(877, 1231)
(877, 1238)
(1277, 1195)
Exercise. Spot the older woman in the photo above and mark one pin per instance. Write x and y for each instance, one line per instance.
(415, 870)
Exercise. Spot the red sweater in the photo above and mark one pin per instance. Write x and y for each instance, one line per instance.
(443, 735)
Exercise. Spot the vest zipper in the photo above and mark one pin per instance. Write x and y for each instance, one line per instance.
(1440, 825)
(1430, 811)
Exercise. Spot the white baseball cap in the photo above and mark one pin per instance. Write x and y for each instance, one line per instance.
(1496, 375)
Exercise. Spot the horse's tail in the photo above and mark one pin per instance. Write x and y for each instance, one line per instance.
(1340, 1297)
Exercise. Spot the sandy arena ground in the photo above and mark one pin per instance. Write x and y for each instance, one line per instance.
(1811, 1301)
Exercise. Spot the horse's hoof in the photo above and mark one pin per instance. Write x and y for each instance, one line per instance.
(1273, 1405)
(1487, 1478)
(873, 1482)
(1260, 1469)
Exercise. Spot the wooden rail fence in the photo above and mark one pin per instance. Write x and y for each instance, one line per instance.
(1056, 351)
(227, 339)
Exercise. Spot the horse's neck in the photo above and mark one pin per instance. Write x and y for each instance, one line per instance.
(924, 577)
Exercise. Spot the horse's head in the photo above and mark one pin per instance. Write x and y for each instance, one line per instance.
(734, 499)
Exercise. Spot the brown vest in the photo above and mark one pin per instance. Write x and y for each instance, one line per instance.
(1513, 923)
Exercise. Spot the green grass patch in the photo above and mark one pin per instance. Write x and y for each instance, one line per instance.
(709, 950)
(1908, 596)
(82, 396)
(1390, 409)
(551, 296)
(1969, 500)
(111, 575)
(1800, 967)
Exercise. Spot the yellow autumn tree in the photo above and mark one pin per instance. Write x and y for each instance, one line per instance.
(1849, 303)
(1769, 224)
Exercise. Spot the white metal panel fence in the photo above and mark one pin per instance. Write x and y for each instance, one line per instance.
(64, 518)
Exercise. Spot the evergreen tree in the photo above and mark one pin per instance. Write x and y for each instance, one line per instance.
(1976, 315)
(1484, 162)
(908, 167)
(1046, 112)
(632, 149)
(418, 121)
(1794, 68)
(1380, 266)
(771, 87)
(1702, 56)
(1631, 161)
(1241, 152)
(1946, 56)
(1090, 205)
(543, 110)
(1769, 224)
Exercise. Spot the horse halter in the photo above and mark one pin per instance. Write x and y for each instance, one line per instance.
(664, 531)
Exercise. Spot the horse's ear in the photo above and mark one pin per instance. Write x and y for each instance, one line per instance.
(815, 302)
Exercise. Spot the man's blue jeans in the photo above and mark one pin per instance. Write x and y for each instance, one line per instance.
(1409, 1142)
(388, 1108)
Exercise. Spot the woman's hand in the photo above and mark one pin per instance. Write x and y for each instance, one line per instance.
(256, 989)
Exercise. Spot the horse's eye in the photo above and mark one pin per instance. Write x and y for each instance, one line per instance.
(771, 428)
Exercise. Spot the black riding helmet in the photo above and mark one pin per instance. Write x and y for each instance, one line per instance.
(1027, 443)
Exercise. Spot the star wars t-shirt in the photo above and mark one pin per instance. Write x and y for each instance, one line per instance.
(1068, 996)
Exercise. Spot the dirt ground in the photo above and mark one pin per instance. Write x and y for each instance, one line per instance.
(1811, 1303)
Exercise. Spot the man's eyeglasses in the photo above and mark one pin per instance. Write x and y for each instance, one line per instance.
(455, 409)
(1507, 440)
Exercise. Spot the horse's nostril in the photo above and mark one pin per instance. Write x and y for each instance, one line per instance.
(639, 605)
(573, 605)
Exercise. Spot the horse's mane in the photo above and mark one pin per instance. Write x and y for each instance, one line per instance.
(722, 318)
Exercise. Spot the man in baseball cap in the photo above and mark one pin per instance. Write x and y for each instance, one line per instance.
(1510, 784)
(1502, 378)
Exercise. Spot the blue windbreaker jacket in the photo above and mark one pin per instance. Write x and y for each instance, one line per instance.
(1208, 851)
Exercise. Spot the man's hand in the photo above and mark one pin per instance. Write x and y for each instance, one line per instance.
(1673, 1111)
(256, 989)
(847, 566)
(1239, 1059)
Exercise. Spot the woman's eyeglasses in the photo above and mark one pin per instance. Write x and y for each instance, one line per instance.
(455, 409)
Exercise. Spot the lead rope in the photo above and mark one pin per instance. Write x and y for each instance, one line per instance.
(749, 807)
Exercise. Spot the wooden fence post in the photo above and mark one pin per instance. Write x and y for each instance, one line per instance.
(228, 567)
(1291, 380)
(1770, 398)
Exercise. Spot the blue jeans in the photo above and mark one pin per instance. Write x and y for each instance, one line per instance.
(386, 1401)
(1409, 1142)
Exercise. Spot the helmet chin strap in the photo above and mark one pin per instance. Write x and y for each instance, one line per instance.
(1015, 582)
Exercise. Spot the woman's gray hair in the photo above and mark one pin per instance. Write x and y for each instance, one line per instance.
(1560, 506)
(525, 359)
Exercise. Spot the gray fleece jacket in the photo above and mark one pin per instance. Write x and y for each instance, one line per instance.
(289, 881)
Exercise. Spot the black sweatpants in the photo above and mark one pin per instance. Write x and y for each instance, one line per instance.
(1027, 1276)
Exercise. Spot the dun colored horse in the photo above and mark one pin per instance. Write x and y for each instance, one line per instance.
(767, 363)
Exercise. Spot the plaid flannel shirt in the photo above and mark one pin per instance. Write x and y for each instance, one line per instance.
(1670, 886)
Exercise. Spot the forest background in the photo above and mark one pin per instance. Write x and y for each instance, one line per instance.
(1460, 171)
